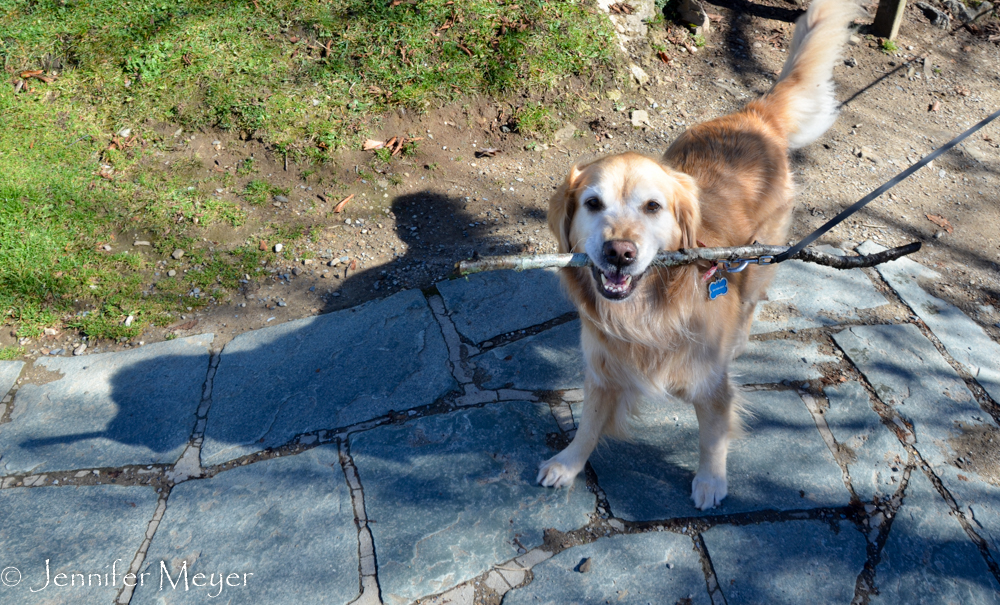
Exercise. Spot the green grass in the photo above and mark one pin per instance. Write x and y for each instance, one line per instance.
(258, 192)
(889, 46)
(308, 77)
(8, 353)
(300, 73)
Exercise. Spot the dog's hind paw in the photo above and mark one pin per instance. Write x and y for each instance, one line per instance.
(708, 491)
(553, 473)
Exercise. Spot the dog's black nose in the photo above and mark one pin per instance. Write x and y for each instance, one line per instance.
(620, 253)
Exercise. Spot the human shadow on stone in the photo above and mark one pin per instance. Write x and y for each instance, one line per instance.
(303, 376)
(437, 231)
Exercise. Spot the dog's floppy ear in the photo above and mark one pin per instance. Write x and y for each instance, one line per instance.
(562, 207)
(687, 210)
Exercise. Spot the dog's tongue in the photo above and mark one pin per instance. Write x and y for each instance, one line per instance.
(616, 279)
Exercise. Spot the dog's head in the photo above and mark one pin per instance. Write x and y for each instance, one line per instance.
(622, 210)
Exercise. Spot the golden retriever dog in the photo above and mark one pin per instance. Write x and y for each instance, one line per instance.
(650, 331)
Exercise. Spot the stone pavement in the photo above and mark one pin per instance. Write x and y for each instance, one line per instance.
(387, 454)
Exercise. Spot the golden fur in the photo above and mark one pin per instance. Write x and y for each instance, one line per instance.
(647, 332)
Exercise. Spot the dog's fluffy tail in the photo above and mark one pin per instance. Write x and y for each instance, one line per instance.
(802, 104)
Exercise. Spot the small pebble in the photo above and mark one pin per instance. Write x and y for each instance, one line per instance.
(585, 565)
(177, 254)
(279, 247)
(80, 349)
(171, 273)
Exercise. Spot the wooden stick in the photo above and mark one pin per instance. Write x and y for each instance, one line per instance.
(686, 256)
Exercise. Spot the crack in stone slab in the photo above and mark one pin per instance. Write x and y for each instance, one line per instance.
(711, 580)
(458, 352)
(367, 559)
(824, 430)
(125, 594)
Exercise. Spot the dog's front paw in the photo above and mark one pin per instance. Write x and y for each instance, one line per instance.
(707, 491)
(556, 472)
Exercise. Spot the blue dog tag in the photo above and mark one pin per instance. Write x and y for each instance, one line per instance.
(718, 288)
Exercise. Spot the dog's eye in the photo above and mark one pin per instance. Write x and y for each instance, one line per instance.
(652, 207)
(593, 204)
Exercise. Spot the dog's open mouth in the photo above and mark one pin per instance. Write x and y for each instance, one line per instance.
(613, 284)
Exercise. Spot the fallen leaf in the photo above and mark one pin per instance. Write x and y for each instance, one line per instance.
(714, 18)
(186, 325)
(663, 57)
(936, 105)
(487, 152)
(262, 246)
(354, 264)
(31, 73)
(343, 203)
(371, 144)
(962, 477)
(621, 8)
(963, 91)
(940, 221)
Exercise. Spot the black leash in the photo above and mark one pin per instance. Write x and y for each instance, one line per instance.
(874, 194)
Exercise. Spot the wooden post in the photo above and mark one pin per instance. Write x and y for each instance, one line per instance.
(888, 17)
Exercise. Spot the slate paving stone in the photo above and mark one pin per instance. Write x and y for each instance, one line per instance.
(288, 521)
(964, 339)
(497, 302)
(805, 295)
(978, 498)
(453, 494)
(791, 562)
(928, 558)
(325, 372)
(909, 374)
(775, 361)
(637, 569)
(552, 360)
(877, 457)
(547, 361)
(781, 464)
(111, 409)
(79, 530)
(9, 371)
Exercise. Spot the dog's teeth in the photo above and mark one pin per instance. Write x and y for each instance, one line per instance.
(628, 280)
(604, 279)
